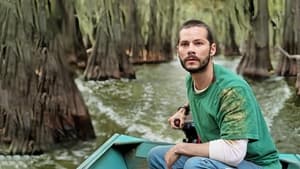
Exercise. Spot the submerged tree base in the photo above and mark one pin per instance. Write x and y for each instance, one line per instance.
(298, 83)
(289, 65)
(151, 57)
(40, 104)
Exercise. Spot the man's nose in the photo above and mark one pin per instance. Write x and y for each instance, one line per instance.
(191, 52)
(191, 49)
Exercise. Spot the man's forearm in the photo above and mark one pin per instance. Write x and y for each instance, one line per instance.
(192, 149)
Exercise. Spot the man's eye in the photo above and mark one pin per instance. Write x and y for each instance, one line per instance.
(198, 43)
(184, 44)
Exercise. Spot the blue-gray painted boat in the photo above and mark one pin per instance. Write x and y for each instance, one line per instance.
(127, 152)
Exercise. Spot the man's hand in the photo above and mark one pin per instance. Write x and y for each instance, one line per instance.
(171, 157)
(180, 114)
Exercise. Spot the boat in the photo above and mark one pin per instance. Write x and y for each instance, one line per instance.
(128, 152)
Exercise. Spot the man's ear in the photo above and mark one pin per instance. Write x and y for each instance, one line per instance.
(213, 49)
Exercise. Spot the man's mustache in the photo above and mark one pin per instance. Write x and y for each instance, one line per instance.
(191, 57)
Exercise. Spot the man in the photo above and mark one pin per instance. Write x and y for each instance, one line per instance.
(226, 115)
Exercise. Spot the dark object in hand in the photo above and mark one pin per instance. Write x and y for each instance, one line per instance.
(189, 131)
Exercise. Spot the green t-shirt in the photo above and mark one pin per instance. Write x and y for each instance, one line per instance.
(228, 110)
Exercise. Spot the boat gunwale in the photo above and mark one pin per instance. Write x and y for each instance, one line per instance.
(120, 139)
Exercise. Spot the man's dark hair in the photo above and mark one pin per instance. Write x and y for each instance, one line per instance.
(198, 23)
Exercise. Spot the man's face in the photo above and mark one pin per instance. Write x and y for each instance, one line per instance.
(194, 49)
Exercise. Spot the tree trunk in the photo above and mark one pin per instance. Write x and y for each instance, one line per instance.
(75, 49)
(40, 104)
(167, 46)
(256, 61)
(230, 47)
(158, 44)
(291, 43)
(134, 38)
(109, 58)
(294, 68)
(290, 66)
(152, 47)
(298, 82)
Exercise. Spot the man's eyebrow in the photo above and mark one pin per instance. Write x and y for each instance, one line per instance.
(183, 41)
(199, 39)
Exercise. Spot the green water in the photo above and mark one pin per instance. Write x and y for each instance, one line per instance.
(141, 107)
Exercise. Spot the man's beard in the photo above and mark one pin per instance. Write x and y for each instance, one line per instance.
(201, 68)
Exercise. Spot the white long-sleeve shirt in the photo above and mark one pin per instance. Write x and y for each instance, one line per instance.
(231, 152)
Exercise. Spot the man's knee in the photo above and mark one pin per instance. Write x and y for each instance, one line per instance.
(157, 152)
(156, 155)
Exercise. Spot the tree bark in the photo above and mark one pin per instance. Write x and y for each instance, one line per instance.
(134, 38)
(167, 45)
(75, 49)
(298, 82)
(291, 44)
(40, 104)
(158, 44)
(256, 61)
(109, 58)
(288, 65)
(230, 47)
(294, 68)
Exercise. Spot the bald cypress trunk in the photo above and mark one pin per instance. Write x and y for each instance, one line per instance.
(255, 60)
(40, 104)
(158, 41)
(298, 82)
(290, 66)
(75, 49)
(109, 58)
(230, 47)
(291, 43)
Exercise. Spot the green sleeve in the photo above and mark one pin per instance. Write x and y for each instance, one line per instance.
(237, 116)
